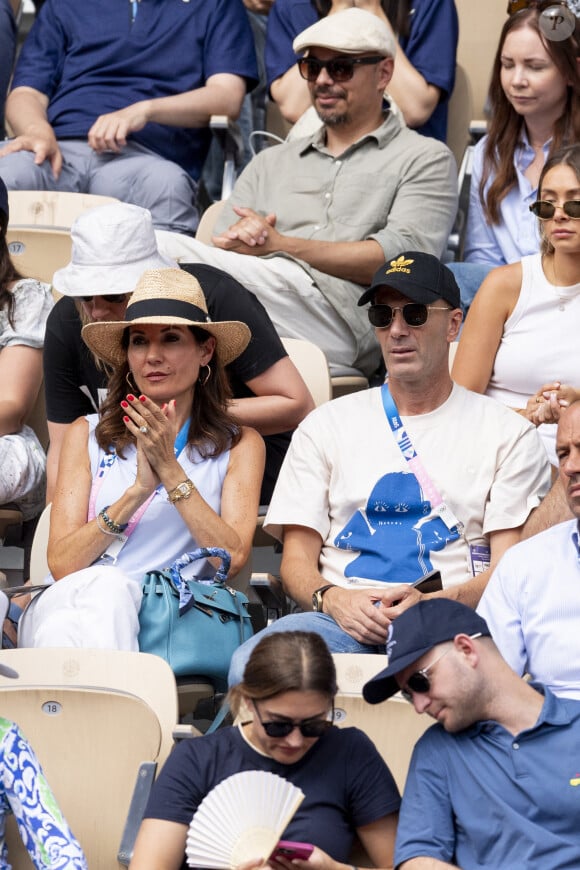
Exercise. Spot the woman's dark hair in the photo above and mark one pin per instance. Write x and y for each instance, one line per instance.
(286, 661)
(8, 272)
(569, 156)
(397, 11)
(211, 427)
(506, 126)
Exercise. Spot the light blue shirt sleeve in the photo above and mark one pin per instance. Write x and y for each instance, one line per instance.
(500, 609)
(516, 235)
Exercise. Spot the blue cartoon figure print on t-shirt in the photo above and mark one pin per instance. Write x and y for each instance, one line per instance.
(393, 533)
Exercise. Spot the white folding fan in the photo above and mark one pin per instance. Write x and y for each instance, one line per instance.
(240, 819)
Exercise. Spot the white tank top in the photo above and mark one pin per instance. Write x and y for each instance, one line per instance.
(161, 536)
(540, 343)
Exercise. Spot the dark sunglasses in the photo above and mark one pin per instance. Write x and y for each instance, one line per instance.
(340, 69)
(546, 210)
(307, 727)
(414, 313)
(113, 298)
(419, 682)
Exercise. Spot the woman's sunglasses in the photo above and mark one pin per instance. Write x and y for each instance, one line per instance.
(545, 211)
(113, 298)
(419, 682)
(414, 313)
(340, 69)
(307, 727)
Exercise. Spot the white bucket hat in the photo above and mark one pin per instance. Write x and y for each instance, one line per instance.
(112, 245)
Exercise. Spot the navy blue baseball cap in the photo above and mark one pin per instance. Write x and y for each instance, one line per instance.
(3, 199)
(418, 276)
(414, 633)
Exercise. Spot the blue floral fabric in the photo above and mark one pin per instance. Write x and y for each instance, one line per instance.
(25, 792)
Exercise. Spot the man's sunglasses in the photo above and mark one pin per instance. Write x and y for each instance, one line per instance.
(307, 727)
(419, 682)
(113, 298)
(414, 313)
(340, 69)
(545, 211)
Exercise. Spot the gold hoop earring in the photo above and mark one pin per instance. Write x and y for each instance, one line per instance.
(203, 381)
(131, 386)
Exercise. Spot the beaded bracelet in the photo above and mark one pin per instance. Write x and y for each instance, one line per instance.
(113, 527)
(103, 528)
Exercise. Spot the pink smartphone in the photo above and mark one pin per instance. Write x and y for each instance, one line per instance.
(290, 850)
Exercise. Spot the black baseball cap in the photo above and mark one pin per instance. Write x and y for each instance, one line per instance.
(414, 633)
(418, 276)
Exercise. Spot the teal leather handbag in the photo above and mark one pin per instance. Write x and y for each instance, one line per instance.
(195, 626)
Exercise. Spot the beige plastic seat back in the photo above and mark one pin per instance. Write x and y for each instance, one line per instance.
(50, 208)
(37, 252)
(38, 562)
(208, 220)
(92, 716)
(393, 726)
(312, 364)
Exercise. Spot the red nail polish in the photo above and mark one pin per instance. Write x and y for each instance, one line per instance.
(125, 419)
(142, 398)
(124, 404)
(131, 397)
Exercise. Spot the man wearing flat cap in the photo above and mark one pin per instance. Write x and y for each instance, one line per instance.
(384, 486)
(311, 220)
(495, 783)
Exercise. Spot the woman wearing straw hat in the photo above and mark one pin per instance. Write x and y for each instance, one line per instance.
(162, 469)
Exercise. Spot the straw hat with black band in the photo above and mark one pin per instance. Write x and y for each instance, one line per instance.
(169, 297)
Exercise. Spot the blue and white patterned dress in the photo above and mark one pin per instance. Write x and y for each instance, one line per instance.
(25, 792)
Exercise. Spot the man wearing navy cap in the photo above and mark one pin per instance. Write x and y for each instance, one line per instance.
(384, 486)
(496, 782)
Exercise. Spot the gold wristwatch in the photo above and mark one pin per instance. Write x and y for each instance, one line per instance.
(317, 597)
(182, 490)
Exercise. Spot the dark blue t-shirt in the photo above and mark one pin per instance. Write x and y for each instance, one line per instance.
(430, 47)
(345, 781)
(89, 59)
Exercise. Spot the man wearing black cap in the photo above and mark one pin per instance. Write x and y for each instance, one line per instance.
(382, 487)
(495, 784)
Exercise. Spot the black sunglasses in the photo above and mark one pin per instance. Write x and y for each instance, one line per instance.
(307, 727)
(546, 210)
(419, 682)
(340, 69)
(113, 298)
(414, 313)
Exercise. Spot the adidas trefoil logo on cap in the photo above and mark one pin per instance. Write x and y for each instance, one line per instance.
(400, 265)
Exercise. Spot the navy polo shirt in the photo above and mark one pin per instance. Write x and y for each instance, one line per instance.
(431, 47)
(483, 798)
(88, 58)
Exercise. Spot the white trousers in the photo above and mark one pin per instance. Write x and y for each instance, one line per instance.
(23, 472)
(296, 306)
(96, 608)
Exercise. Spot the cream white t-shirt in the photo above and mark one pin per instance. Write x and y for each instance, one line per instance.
(345, 477)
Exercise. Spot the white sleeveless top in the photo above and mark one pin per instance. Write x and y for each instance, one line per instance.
(160, 536)
(540, 343)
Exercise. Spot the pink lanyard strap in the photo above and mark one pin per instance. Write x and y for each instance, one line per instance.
(107, 462)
